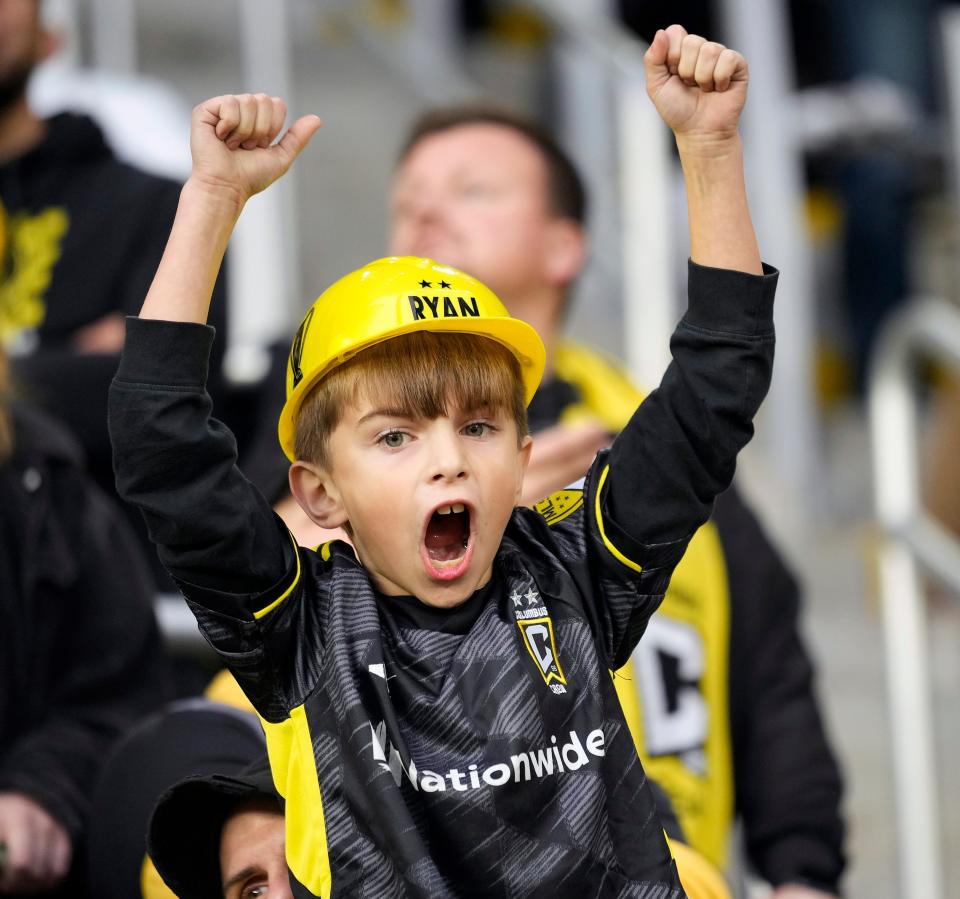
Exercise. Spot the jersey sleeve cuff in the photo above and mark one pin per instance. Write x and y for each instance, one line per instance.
(171, 354)
(634, 555)
(730, 301)
(252, 606)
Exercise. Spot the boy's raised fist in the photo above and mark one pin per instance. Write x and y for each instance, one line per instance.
(698, 86)
(232, 143)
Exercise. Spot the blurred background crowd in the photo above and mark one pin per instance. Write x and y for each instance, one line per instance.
(852, 138)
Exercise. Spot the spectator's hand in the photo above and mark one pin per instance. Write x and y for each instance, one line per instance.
(38, 848)
(698, 86)
(231, 141)
(561, 455)
(795, 891)
(105, 335)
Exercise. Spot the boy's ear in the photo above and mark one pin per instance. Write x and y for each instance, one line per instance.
(314, 490)
(526, 445)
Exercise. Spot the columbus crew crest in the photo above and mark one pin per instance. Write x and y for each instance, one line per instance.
(536, 627)
(538, 637)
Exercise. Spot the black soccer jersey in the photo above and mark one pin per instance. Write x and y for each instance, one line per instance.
(474, 752)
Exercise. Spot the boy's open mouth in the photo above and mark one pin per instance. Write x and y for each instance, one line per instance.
(446, 541)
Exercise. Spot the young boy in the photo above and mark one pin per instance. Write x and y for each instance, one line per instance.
(439, 713)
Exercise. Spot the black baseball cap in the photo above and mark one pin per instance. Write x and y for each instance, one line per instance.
(189, 738)
(185, 828)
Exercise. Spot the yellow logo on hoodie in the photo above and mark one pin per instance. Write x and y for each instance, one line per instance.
(30, 245)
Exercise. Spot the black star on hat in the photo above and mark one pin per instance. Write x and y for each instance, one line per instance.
(425, 284)
(444, 285)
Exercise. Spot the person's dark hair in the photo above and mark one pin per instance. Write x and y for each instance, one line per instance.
(567, 194)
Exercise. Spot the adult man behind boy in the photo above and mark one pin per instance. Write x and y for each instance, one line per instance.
(729, 722)
(439, 715)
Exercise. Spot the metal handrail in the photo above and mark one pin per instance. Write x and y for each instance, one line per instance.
(910, 539)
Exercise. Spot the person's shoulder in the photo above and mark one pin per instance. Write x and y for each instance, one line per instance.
(38, 435)
(756, 568)
(604, 386)
(552, 531)
(737, 523)
(76, 140)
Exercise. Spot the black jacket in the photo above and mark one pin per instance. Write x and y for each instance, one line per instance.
(788, 783)
(80, 655)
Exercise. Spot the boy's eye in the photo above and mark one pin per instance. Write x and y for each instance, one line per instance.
(477, 429)
(392, 439)
(255, 891)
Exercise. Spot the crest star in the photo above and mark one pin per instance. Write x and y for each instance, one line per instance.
(444, 285)
(532, 598)
(517, 598)
(426, 284)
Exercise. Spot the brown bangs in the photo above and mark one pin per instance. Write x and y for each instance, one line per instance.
(420, 375)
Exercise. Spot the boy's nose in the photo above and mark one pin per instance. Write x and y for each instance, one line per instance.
(450, 468)
(449, 474)
(447, 462)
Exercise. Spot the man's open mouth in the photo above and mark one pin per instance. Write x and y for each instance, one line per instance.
(446, 541)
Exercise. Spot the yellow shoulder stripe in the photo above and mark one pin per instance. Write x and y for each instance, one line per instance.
(619, 556)
(294, 769)
(266, 610)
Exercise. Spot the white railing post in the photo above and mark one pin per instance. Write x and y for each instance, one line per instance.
(910, 537)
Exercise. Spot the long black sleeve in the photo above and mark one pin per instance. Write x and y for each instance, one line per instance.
(214, 531)
(679, 449)
(788, 785)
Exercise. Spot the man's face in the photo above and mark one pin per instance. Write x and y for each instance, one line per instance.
(252, 860)
(475, 197)
(20, 46)
(427, 499)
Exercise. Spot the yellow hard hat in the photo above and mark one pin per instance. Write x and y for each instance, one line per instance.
(390, 297)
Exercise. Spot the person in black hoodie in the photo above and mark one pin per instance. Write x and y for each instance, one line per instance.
(81, 234)
(80, 655)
